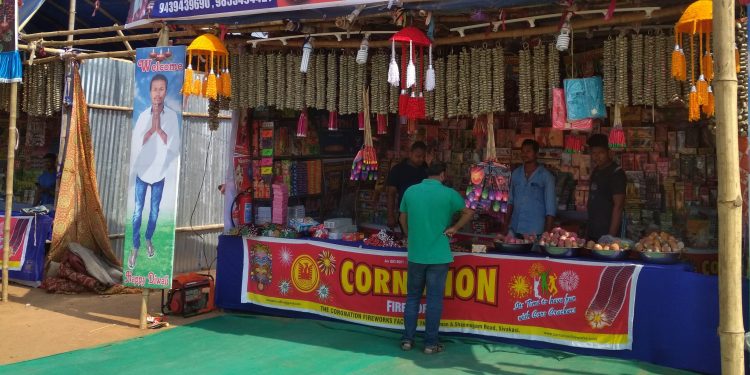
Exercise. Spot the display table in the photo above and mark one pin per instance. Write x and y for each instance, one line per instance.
(29, 235)
(673, 318)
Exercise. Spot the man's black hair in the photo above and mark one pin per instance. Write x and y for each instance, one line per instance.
(436, 168)
(159, 77)
(418, 145)
(598, 140)
(530, 142)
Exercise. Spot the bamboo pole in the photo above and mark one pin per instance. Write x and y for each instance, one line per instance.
(731, 330)
(9, 184)
(71, 19)
(94, 30)
(144, 308)
(111, 39)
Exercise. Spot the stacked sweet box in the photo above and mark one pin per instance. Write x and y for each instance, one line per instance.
(280, 204)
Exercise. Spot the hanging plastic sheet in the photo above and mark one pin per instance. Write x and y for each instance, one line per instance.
(584, 98)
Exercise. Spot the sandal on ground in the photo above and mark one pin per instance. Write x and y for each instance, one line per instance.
(406, 344)
(432, 349)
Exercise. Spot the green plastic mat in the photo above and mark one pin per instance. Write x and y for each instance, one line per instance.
(235, 344)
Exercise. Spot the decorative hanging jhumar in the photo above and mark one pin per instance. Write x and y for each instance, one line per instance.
(212, 59)
(411, 100)
(365, 164)
(695, 23)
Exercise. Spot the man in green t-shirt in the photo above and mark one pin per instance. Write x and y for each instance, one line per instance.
(427, 210)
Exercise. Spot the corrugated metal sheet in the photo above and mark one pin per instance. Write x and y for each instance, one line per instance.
(110, 82)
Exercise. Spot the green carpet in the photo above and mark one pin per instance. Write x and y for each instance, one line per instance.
(234, 344)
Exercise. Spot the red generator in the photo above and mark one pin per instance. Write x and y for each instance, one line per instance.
(191, 294)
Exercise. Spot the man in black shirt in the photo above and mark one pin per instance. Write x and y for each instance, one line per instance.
(606, 191)
(403, 175)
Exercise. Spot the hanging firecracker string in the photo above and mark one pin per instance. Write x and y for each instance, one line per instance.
(636, 68)
(451, 85)
(525, 104)
(498, 79)
(553, 71)
(609, 72)
(617, 134)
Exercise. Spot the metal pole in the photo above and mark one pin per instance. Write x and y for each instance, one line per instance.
(9, 184)
(731, 330)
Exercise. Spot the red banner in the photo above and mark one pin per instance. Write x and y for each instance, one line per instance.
(576, 303)
(19, 240)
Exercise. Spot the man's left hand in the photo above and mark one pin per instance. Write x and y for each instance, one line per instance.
(451, 231)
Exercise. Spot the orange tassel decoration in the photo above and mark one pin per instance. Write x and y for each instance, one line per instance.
(702, 88)
(710, 106)
(679, 66)
(187, 84)
(694, 113)
(211, 91)
(198, 86)
(226, 83)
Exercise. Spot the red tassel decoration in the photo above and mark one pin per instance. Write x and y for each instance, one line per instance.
(382, 124)
(302, 124)
(411, 127)
(333, 121)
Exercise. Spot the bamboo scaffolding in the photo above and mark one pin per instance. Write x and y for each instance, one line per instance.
(576, 24)
(9, 185)
(111, 39)
(731, 330)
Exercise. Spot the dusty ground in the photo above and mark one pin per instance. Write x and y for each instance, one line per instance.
(35, 324)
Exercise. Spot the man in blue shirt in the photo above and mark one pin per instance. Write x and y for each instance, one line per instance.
(532, 204)
(45, 183)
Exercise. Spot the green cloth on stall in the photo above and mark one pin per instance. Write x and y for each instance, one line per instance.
(237, 344)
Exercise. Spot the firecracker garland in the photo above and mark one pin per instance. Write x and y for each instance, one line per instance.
(213, 114)
(291, 84)
(475, 82)
(343, 86)
(622, 94)
(50, 89)
(361, 78)
(272, 79)
(451, 86)
(243, 79)
(539, 79)
(234, 71)
(650, 70)
(261, 80)
(609, 72)
(662, 70)
(332, 82)
(553, 71)
(440, 110)
(320, 80)
(636, 68)
(498, 79)
(298, 84)
(464, 83)
(280, 81)
(309, 79)
(525, 103)
(248, 84)
(486, 98)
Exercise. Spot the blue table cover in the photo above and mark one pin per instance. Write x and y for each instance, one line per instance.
(32, 271)
(675, 324)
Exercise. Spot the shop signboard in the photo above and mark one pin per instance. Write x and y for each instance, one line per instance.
(574, 303)
(154, 168)
(144, 11)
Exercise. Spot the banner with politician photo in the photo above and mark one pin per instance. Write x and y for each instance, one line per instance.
(154, 168)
